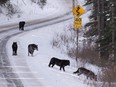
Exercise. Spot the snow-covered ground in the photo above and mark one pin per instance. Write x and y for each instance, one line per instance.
(38, 64)
(50, 77)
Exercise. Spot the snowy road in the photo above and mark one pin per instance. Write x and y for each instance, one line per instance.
(6, 71)
(47, 21)
(8, 75)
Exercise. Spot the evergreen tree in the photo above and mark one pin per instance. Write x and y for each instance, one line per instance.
(102, 23)
(92, 24)
(113, 29)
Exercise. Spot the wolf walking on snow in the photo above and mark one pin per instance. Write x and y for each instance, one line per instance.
(86, 72)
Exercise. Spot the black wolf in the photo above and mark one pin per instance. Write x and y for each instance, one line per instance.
(31, 48)
(21, 25)
(59, 62)
(14, 48)
(87, 73)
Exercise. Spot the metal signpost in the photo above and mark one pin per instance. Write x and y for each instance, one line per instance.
(78, 11)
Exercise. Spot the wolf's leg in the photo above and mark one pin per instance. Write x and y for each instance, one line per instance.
(60, 67)
(49, 64)
(63, 68)
(53, 65)
(79, 74)
(87, 76)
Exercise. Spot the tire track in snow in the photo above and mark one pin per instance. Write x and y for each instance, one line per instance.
(4, 61)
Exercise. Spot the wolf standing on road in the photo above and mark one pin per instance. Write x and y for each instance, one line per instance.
(31, 48)
(14, 48)
(21, 25)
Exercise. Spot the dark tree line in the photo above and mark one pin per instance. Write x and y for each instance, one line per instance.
(103, 24)
(3, 1)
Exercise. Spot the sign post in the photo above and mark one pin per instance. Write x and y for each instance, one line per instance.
(78, 11)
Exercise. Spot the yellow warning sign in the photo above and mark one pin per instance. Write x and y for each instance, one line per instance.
(78, 11)
(78, 23)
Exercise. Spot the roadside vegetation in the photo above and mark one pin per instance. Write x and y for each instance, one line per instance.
(87, 53)
(10, 9)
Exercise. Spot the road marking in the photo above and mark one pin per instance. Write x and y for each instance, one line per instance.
(22, 72)
(21, 78)
(14, 67)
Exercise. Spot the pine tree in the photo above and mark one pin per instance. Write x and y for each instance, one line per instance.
(113, 29)
(103, 31)
(107, 34)
(93, 19)
(102, 23)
